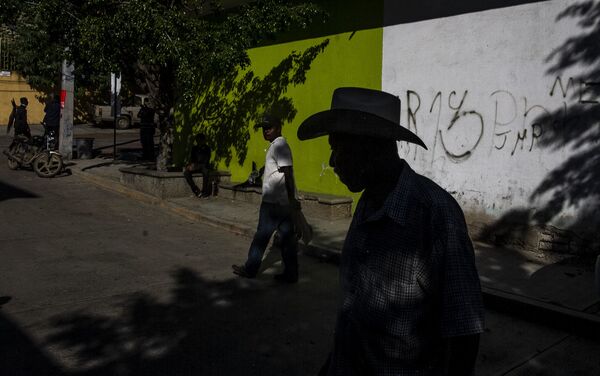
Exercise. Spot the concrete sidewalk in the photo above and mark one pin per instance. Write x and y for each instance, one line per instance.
(554, 289)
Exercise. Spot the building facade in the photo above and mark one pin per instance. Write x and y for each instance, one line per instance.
(504, 94)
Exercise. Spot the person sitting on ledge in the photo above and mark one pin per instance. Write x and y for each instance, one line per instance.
(199, 162)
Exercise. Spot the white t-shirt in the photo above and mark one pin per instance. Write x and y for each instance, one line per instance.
(279, 155)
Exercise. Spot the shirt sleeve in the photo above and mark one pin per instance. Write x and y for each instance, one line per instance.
(462, 310)
(282, 154)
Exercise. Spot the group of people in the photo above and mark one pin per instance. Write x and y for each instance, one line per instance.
(51, 122)
(18, 119)
(411, 299)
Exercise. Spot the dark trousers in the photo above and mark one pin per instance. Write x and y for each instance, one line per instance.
(274, 217)
(22, 130)
(52, 138)
(147, 141)
(204, 169)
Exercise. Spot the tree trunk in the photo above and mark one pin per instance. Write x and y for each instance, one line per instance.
(159, 83)
(164, 160)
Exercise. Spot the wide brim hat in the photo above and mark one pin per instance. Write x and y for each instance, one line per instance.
(361, 112)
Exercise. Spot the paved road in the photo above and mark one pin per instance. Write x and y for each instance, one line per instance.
(104, 138)
(102, 285)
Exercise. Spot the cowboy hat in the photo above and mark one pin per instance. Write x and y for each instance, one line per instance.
(361, 112)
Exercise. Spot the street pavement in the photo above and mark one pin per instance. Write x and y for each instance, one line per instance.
(101, 284)
(97, 283)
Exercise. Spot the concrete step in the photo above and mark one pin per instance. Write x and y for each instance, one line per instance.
(320, 205)
(164, 184)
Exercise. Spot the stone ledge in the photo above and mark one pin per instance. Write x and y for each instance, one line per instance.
(149, 171)
(164, 184)
(531, 237)
(320, 205)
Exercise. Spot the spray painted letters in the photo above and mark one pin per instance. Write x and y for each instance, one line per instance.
(509, 123)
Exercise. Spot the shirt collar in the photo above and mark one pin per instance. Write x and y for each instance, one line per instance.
(396, 204)
(276, 138)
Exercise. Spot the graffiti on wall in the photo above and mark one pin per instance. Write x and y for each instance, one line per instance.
(515, 123)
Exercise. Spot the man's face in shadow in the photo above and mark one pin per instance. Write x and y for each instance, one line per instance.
(351, 159)
(271, 133)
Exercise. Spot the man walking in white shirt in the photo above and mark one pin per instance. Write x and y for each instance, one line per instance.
(279, 202)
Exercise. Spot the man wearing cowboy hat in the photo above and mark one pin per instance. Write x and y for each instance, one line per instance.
(411, 299)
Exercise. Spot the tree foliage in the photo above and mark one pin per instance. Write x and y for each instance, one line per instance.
(164, 47)
(239, 98)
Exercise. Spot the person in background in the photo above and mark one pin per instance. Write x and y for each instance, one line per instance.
(278, 207)
(147, 129)
(199, 162)
(52, 120)
(18, 119)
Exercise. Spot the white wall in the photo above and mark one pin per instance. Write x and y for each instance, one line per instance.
(490, 71)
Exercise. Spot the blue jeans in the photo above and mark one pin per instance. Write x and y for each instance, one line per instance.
(274, 217)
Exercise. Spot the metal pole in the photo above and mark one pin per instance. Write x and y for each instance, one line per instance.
(65, 144)
(114, 94)
(115, 89)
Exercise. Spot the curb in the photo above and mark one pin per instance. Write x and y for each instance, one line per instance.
(556, 316)
(179, 210)
(531, 309)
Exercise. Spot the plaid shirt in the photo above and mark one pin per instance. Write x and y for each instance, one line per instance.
(408, 280)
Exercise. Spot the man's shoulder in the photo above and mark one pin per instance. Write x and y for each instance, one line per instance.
(280, 141)
(280, 147)
(436, 198)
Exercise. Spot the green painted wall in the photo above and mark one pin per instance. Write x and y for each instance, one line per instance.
(298, 72)
(350, 59)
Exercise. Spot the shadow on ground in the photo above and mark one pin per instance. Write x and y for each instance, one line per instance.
(19, 355)
(8, 191)
(232, 327)
(119, 162)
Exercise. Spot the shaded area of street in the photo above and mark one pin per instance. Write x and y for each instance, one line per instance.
(8, 191)
(104, 285)
(98, 284)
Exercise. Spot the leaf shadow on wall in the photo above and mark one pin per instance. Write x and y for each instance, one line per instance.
(575, 183)
(227, 106)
